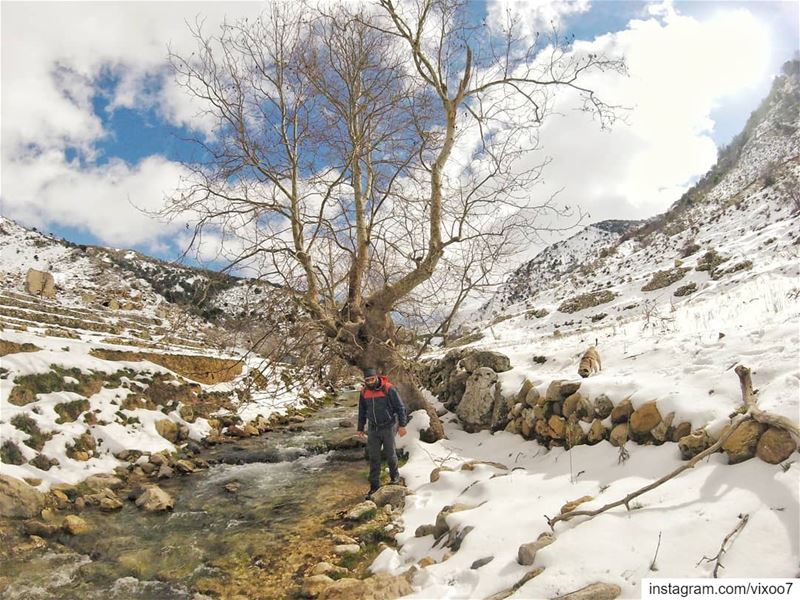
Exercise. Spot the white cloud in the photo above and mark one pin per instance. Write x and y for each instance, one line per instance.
(680, 69)
(107, 201)
(530, 16)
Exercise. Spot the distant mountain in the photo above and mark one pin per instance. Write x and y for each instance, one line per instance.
(555, 262)
(741, 220)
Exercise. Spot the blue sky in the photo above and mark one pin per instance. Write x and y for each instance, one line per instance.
(93, 130)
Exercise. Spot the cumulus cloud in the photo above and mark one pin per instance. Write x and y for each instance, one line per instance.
(109, 201)
(55, 55)
(530, 16)
(680, 70)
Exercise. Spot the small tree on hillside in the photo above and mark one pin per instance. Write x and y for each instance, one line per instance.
(357, 150)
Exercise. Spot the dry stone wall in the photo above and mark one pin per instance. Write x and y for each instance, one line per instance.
(466, 381)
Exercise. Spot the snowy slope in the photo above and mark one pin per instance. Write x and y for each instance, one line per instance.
(672, 308)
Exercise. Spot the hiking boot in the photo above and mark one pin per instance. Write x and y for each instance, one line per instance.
(395, 481)
(370, 492)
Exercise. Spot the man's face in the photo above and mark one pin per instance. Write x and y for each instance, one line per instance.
(371, 380)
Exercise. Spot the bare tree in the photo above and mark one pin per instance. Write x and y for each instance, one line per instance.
(358, 150)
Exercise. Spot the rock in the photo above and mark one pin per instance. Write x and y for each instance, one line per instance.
(644, 418)
(80, 503)
(596, 591)
(572, 505)
(557, 426)
(40, 283)
(148, 468)
(346, 423)
(437, 472)
(378, 587)
(682, 430)
(441, 527)
(472, 360)
(390, 494)
(74, 525)
(596, 432)
(60, 497)
(775, 446)
(251, 430)
(36, 527)
(426, 561)
(742, 443)
(569, 387)
(527, 552)
(325, 568)
(660, 432)
(481, 562)
(553, 392)
(109, 504)
(159, 459)
(532, 397)
(602, 406)
(340, 538)
(501, 408)
(476, 407)
(622, 412)
(167, 429)
(232, 487)
(424, 530)
(99, 482)
(341, 549)
(456, 537)
(693, 444)
(361, 511)
(185, 466)
(154, 499)
(165, 472)
(619, 435)
(313, 585)
(471, 464)
(18, 499)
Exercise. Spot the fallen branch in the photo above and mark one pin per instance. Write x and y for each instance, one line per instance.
(653, 566)
(752, 412)
(758, 414)
(737, 420)
(722, 549)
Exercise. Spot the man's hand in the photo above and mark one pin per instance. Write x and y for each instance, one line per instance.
(361, 435)
(401, 431)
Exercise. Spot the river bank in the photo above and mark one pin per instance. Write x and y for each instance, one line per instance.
(254, 524)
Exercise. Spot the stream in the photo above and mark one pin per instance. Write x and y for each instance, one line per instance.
(254, 542)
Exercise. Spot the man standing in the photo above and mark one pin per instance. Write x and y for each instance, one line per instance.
(380, 404)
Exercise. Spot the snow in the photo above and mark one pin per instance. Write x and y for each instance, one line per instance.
(679, 351)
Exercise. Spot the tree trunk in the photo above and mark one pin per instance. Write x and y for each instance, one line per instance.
(380, 353)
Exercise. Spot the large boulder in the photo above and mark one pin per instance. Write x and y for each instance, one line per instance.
(775, 446)
(18, 499)
(40, 283)
(693, 444)
(477, 406)
(472, 360)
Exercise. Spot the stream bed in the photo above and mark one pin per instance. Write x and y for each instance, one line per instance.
(253, 542)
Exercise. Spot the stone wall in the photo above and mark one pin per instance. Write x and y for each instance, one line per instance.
(465, 380)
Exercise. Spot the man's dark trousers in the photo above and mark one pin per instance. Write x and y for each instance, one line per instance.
(377, 436)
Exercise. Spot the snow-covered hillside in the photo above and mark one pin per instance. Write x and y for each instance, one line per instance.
(672, 308)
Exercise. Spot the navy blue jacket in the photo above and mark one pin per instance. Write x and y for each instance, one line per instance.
(380, 406)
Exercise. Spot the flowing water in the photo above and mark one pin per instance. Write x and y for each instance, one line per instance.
(251, 543)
